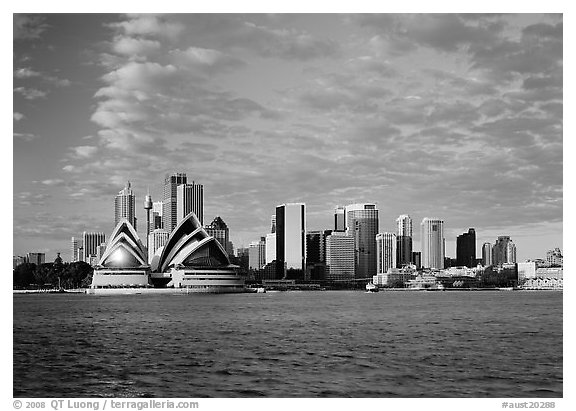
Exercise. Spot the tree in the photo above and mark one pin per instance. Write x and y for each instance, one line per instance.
(23, 275)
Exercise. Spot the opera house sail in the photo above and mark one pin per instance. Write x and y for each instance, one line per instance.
(193, 260)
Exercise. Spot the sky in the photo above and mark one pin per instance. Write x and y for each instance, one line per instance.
(457, 117)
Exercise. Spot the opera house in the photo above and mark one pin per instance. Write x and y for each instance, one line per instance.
(190, 261)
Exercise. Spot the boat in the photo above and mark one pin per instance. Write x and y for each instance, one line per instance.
(371, 288)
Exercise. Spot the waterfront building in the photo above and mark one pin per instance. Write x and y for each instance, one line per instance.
(169, 210)
(316, 246)
(466, 249)
(91, 241)
(257, 254)
(123, 263)
(124, 207)
(340, 261)
(270, 247)
(157, 238)
(432, 241)
(486, 254)
(417, 259)
(340, 218)
(395, 277)
(504, 251)
(36, 258)
(554, 257)
(194, 260)
(386, 252)
(526, 270)
(362, 225)
(290, 239)
(190, 199)
(404, 241)
(74, 244)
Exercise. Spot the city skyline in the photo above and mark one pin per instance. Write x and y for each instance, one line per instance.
(456, 117)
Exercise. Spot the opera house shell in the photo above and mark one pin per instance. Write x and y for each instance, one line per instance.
(124, 263)
(193, 260)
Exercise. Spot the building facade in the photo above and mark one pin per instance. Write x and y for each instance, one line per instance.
(219, 230)
(554, 257)
(340, 261)
(404, 241)
(74, 245)
(257, 254)
(340, 218)
(466, 249)
(36, 258)
(290, 239)
(386, 252)
(156, 239)
(362, 225)
(169, 211)
(125, 206)
(190, 198)
(486, 254)
(432, 240)
(504, 251)
(90, 242)
(270, 247)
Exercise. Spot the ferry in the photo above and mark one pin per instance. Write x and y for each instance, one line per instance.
(371, 288)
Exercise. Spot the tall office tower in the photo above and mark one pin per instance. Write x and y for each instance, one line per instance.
(147, 207)
(504, 251)
(80, 255)
(91, 241)
(386, 251)
(270, 247)
(156, 221)
(290, 240)
(362, 225)
(432, 240)
(486, 254)
(417, 259)
(404, 241)
(554, 257)
(316, 246)
(340, 256)
(466, 249)
(273, 224)
(100, 250)
(257, 254)
(124, 206)
(74, 249)
(169, 216)
(36, 258)
(190, 197)
(219, 230)
(340, 218)
(157, 238)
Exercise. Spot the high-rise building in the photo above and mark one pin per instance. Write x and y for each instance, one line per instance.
(554, 257)
(100, 250)
(290, 239)
(340, 218)
(36, 258)
(466, 249)
(417, 259)
(316, 246)
(340, 257)
(273, 224)
(486, 254)
(169, 216)
(190, 198)
(257, 254)
(156, 219)
(362, 225)
(91, 241)
(432, 240)
(125, 206)
(219, 230)
(74, 244)
(404, 241)
(270, 247)
(386, 252)
(504, 251)
(157, 238)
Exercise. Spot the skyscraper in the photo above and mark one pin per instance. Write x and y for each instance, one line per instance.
(257, 254)
(124, 205)
(36, 258)
(316, 246)
(404, 241)
(74, 249)
(190, 198)
(169, 216)
(157, 238)
(486, 254)
(504, 251)
(432, 240)
(91, 241)
(386, 252)
(340, 260)
(156, 221)
(466, 249)
(270, 247)
(362, 225)
(147, 207)
(219, 230)
(340, 218)
(290, 239)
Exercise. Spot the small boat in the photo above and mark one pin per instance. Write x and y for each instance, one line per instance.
(371, 288)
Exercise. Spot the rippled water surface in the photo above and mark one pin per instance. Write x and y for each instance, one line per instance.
(290, 344)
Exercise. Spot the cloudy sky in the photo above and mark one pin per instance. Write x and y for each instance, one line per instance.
(450, 116)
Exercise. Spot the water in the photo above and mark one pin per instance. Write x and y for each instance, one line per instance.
(290, 344)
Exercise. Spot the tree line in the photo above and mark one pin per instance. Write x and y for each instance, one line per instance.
(53, 275)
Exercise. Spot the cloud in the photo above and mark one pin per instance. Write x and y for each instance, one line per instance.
(206, 60)
(18, 116)
(84, 151)
(25, 136)
(150, 25)
(53, 182)
(30, 93)
(28, 27)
